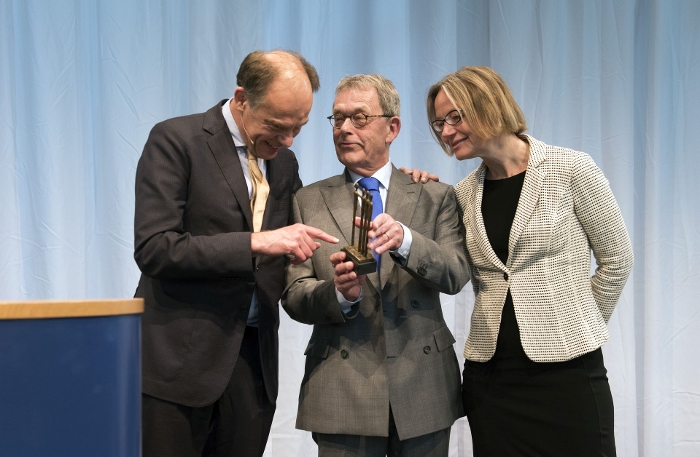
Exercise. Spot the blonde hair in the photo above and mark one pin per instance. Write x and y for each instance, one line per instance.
(484, 101)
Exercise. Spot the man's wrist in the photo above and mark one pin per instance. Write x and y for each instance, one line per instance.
(344, 303)
(405, 249)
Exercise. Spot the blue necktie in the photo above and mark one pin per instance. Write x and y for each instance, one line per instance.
(372, 185)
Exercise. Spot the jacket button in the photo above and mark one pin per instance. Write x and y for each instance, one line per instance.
(505, 276)
(344, 354)
(414, 304)
(426, 349)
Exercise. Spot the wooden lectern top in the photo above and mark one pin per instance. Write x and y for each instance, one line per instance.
(45, 309)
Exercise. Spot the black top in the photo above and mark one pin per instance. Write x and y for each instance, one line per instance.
(498, 206)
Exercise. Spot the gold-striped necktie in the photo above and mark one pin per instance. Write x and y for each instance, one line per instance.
(261, 189)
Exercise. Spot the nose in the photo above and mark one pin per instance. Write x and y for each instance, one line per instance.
(286, 139)
(346, 125)
(447, 131)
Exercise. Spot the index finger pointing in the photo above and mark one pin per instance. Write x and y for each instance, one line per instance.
(319, 234)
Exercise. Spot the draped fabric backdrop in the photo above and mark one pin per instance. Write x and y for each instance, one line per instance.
(83, 82)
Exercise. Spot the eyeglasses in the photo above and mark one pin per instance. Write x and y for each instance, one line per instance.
(358, 120)
(454, 117)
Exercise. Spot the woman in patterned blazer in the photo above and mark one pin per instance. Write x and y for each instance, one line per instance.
(534, 382)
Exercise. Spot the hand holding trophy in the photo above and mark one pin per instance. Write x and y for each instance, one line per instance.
(358, 254)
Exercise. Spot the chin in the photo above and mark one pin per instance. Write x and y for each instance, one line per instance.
(267, 152)
(463, 155)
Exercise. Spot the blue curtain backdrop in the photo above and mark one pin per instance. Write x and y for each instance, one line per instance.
(83, 82)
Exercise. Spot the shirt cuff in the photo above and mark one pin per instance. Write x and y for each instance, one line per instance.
(401, 254)
(345, 305)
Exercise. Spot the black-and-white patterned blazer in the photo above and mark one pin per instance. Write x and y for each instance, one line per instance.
(566, 208)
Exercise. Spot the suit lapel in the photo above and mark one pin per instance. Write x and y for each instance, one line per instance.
(224, 151)
(478, 221)
(338, 198)
(529, 196)
(401, 202)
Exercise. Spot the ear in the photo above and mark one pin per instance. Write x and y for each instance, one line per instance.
(394, 128)
(239, 99)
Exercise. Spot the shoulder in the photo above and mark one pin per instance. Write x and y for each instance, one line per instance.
(191, 125)
(315, 188)
(438, 188)
(179, 126)
(405, 181)
(557, 159)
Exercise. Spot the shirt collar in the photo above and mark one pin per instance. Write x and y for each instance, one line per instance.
(383, 175)
(233, 128)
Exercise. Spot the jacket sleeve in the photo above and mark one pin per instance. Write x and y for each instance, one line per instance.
(440, 262)
(601, 219)
(308, 299)
(164, 248)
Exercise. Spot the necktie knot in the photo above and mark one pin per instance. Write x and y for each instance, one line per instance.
(371, 184)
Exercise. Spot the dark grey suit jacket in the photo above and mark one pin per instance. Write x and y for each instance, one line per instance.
(394, 346)
(192, 243)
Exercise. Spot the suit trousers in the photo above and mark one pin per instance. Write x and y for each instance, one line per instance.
(436, 444)
(237, 424)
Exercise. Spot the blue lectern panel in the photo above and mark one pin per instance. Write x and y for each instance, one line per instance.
(70, 387)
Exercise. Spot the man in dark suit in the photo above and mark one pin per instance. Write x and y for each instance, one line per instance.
(212, 238)
(382, 376)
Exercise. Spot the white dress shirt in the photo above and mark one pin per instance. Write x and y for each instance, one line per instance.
(243, 157)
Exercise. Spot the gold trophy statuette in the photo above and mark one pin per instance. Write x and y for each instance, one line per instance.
(358, 253)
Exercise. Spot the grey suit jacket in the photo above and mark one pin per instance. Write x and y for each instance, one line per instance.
(394, 346)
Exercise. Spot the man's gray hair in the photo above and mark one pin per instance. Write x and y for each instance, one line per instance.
(388, 95)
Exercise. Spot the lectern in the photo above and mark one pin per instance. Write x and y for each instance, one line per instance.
(70, 378)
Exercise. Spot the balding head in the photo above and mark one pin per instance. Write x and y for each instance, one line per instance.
(273, 100)
(260, 69)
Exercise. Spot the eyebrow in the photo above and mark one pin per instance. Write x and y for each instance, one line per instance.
(357, 110)
(276, 125)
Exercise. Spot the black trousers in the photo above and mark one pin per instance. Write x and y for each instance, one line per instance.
(237, 424)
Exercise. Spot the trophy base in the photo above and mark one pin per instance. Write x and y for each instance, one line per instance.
(364, 264)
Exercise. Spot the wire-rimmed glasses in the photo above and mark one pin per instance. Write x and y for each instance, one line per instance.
(358, 120)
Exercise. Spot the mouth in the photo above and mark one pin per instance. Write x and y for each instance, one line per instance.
(459, 141)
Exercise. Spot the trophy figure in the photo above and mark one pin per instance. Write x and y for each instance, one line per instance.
(358, 253)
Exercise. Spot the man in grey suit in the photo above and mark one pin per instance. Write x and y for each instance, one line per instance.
(382, 376)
